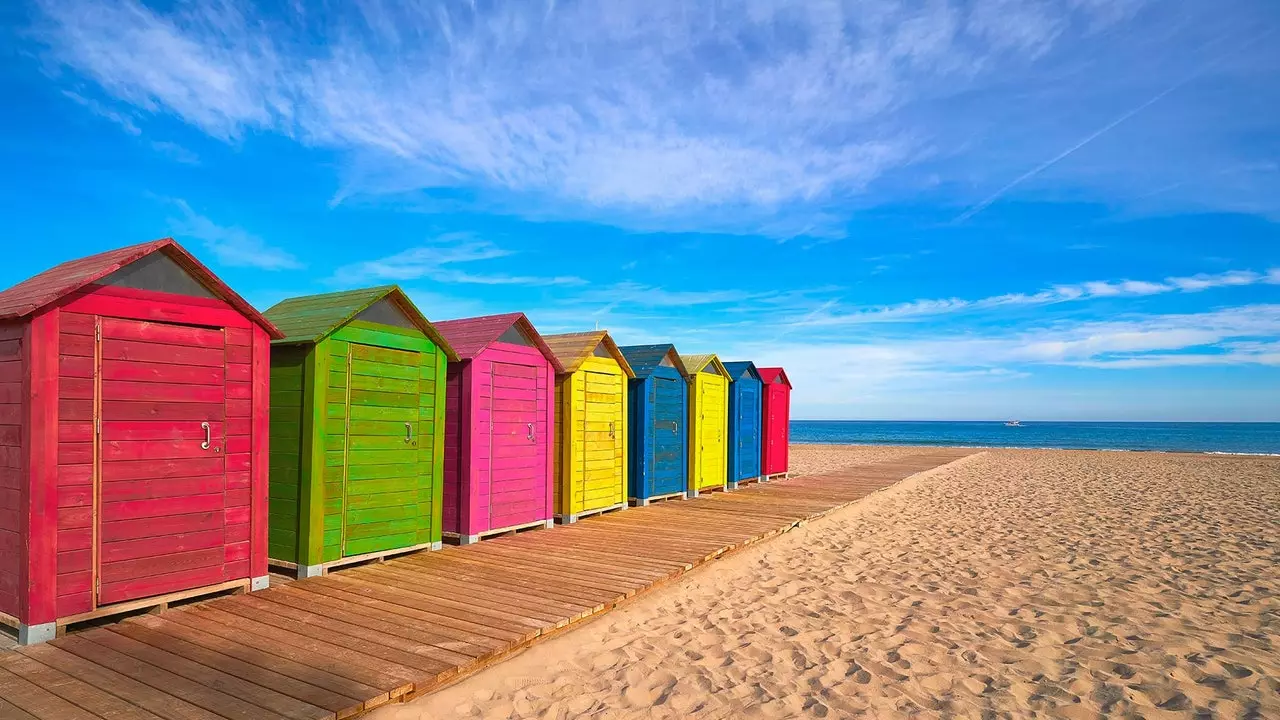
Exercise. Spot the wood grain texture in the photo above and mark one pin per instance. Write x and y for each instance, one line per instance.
(744, 414)
(39, 507)
(13, 478)
(708, 422)
(658, 426)
(337, 645)
(775, 421)
(591, 432)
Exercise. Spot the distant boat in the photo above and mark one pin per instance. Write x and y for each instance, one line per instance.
(1013, 423)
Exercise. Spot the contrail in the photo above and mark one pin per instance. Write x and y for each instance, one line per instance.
(1060, 156)
(1106, 128)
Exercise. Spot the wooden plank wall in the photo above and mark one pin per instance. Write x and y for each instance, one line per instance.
(288, 369)
(75, 463)
(11, 476)
(335, 646)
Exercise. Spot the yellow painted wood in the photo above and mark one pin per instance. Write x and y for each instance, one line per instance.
(708, 430)
(591, 432)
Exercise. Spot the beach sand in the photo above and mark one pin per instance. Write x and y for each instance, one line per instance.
(1011, 583)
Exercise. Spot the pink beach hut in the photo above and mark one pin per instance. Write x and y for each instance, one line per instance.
(499, 427)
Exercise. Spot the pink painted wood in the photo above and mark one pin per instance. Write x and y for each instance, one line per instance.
(499, 420)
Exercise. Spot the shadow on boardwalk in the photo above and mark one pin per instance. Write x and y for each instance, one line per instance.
(341, 644)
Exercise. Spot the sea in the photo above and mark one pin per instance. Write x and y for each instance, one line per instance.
(1226, 438)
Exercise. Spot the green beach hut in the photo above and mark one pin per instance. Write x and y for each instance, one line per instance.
(357, 429)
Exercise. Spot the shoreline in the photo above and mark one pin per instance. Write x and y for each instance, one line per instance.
(1033, 447)
(1068, 583)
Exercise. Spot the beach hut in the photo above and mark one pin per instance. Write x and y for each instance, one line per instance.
(708, 423)
(591, 424)
(745, 408)
(776, 417)
(133, 438)
(357, 418)
(657, 435)
(499, 420)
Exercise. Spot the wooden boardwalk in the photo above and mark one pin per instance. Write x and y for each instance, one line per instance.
(335, 646)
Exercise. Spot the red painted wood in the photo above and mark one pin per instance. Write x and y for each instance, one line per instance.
(40, 515)
(164, 333)
(130, 411)
(160, 584)
(137, 350)
(149, 547)
(776, 425)
(137, 468)
(175, 310)
(260, 431)
(133, 370)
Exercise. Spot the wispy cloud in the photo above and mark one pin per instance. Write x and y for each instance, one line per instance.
(125, 122)
(437, 259)
(772, 117)
(232, 246)
(918, 309)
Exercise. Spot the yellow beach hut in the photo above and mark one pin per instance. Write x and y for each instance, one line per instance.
(591, 425)
(708, 422)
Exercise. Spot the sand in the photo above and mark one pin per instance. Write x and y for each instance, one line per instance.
(1012, 583)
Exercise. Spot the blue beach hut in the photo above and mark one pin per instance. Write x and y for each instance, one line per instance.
(745, 390)
(658, 400)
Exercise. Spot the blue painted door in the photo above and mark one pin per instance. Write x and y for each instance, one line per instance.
(668, 428)
(747, 423)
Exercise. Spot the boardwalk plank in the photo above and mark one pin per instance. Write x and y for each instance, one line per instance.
(335, 646)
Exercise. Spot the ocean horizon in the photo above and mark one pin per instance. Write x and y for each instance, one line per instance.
(1245, 438)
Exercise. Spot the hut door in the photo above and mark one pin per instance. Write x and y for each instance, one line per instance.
(161, 480)
(711, 427)
(380, 508)
(748, 420)
(517, 460)
(668, 416)
(603, 438)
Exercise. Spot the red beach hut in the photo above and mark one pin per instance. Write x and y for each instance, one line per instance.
(133, 438)
(499, 424)
(776, 430)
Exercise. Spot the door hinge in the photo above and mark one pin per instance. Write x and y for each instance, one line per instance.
(97, 331)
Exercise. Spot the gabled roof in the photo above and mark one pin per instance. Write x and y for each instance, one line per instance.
(573, 349)
(312, 318)
(644, 359)
(471, 336)
(52, 285)
(768, 375)
(738, 368)
(696, 363)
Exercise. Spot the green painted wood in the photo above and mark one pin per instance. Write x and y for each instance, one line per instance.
(311, 519)
(365, 336)
(284, 460)
(361, 487)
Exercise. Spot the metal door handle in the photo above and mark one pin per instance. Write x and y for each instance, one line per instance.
(207, 439)
(531, 434)
(408, 432)
(611, 433)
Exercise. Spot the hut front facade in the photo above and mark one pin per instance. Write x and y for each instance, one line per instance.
(357, 418)
(499, 424)
(708, 423)
(658, 433)
(776, 418)
(591, 424)
(745, 422)
(133, 438)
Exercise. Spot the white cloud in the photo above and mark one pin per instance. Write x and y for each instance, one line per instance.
(232, 246)
(832, 316)
(434, 260)
(659, 107)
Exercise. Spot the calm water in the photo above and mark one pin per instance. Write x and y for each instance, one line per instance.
(1170, 437)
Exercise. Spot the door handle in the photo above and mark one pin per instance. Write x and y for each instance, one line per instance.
(531, 434)
(611, 432)
(408, 432)
(208, 439)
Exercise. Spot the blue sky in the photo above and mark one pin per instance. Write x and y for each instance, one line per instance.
(1043, 209)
